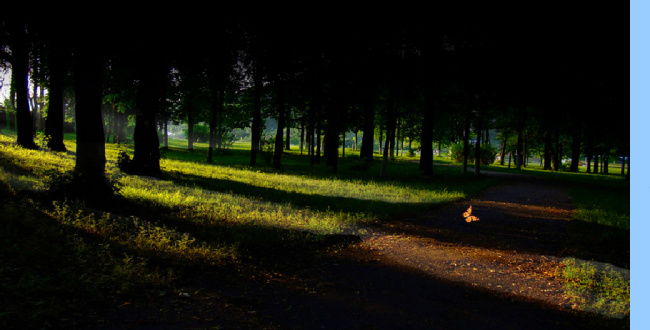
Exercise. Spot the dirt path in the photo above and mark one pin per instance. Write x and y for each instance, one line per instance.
(515, 248)
(431, 271)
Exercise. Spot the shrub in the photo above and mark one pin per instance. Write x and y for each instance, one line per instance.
(488, 154)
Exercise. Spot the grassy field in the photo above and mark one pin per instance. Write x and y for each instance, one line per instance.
(59, 254)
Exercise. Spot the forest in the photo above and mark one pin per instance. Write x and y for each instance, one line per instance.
(541, 85)
(108, 220)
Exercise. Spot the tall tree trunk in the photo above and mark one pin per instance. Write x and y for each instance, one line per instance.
(390, 132)
(217, 110)
(368, 139)
(146, 150)
(277, 150)
(190, 124)
(520, 137)
(466, 140)
(548, 151)
(575, 147)
(557, 159)
(24, 124)
(426, 145)
(90, 153)
(54, 121)
(287, 141)
(256, 126)
(504, 143)
(477, 150)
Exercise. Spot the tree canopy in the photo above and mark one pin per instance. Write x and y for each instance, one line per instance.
(443, 72)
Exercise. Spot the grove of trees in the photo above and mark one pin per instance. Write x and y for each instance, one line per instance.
(543, 77)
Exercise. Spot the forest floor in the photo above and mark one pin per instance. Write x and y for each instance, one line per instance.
(430, 271)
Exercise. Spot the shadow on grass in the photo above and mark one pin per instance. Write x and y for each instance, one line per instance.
(371, 208)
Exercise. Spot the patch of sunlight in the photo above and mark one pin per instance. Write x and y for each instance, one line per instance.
(215, 208)
(326, 187)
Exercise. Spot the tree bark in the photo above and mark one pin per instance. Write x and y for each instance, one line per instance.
(277, 150)
(256, 126)
(520, 137)
(54, 121)
(477, 150)
(90, 154)
(24, 126)
(146, 151)
(426, 146)
(466, 141)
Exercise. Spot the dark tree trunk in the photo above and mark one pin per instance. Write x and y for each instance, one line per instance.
(368, 139)
(287, 141)
(217, 110)
(332, 134)
(90, 154)
(575, 147)
(390, 132)
(477, 150)
(256, 126)
(54, 122)
(466, 141)
(426, 145)
(520, 137)
(146, 151)
(24, 125)
(548, 152)
(557, 151)
(504, 143)
(190, 124)
(277, 150)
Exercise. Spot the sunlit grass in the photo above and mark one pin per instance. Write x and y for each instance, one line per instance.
(602, 289)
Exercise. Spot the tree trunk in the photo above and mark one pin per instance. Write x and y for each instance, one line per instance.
(503, 146)
(24, 124)
(277, 150)
(426, 145)
(466, 141)
(256, 126)
(520, 137)
(190, 124)
(90, 153)
(390, 133)
(548, 152)
(575, 147)
(287, 141)
(146, 150)
(217, 110)
(477, 149)
(368, 139)
(54, 121)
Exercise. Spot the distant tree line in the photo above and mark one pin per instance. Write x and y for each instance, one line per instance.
(439, 80)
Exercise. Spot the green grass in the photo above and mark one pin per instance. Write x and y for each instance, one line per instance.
(602, 289)
(209, 215)
(196, 215)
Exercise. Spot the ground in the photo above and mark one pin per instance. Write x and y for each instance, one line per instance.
(431, 271)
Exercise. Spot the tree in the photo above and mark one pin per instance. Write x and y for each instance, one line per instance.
(90, 154)
(146, 154)
(54, 121)
(19, 60)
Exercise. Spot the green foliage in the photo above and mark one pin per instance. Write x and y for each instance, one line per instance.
(488, 154)
(201, 133)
